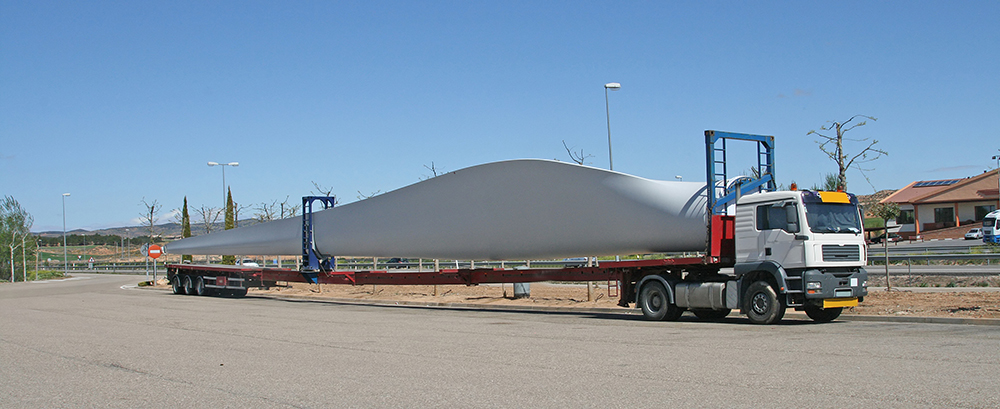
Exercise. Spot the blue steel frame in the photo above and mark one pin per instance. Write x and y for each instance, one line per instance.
(720, 196)
(312, 261)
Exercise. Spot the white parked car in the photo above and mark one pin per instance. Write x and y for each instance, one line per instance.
(247, 262)
(973, 234)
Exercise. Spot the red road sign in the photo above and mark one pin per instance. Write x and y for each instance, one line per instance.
(155, 251)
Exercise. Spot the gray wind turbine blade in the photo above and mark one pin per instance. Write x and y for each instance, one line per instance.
(510, 210)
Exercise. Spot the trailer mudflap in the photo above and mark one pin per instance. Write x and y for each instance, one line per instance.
(840, 302)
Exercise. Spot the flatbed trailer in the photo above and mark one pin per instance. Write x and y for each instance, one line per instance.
(787, 249)
(621, 276)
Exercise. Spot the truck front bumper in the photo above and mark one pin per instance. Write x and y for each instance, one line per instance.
(834, 285)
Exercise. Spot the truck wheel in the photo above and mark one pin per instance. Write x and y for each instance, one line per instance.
(711, 315)
(823, 315)
(655, 303)
(175, 285)
(763, 305)
(199, 286)
(238, 293)
(188, 288)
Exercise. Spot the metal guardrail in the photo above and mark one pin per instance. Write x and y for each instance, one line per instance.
(990, 258)
(926, 249)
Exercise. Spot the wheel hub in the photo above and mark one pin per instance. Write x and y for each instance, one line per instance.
(760, 303)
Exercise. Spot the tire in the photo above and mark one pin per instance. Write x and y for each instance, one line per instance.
(199, 286)
(711, 315)
(175, 285)
(823, 314)
(655, 303)
(238, 293)
(763, 305)
(186, 283)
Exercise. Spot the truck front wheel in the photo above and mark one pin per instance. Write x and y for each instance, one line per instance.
(655, 303)
(823, 315)
(763, 305)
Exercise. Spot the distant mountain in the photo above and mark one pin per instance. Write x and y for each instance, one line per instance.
(166, 230)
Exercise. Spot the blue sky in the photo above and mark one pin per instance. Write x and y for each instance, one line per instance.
(119, 101)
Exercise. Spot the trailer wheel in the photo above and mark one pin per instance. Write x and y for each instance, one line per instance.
(711, 315)
(823, 315)
(188, 288)
(199, 286)
(655, 303)
(175, 285)
(763, 305)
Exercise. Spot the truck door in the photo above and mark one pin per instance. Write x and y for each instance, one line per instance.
(778, 224)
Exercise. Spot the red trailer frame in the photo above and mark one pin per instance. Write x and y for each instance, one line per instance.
(235, 280)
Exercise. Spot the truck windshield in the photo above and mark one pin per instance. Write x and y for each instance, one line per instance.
(833, 218)
(989, 222)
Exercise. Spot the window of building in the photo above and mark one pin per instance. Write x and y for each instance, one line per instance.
(944, 215)
(905, 217)
(982, 211)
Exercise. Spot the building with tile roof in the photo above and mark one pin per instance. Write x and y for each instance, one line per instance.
(936, 204)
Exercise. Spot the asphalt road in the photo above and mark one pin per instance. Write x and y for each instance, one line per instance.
(89, 343)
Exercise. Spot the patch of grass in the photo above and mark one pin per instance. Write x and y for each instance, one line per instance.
(951, 284)
(922, 285)
(42, 275)
(982, 284)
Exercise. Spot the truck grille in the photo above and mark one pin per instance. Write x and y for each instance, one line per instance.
(833, 252)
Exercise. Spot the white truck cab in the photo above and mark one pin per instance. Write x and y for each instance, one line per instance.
(991, 228)
(807, 245)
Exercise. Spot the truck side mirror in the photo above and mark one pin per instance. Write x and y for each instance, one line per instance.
(791, 218)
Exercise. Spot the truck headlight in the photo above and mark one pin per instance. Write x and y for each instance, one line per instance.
(813, 287)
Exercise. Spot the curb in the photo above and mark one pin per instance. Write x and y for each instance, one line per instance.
(922, 320)
(633, 312)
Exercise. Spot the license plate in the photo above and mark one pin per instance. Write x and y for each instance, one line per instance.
(840, 302)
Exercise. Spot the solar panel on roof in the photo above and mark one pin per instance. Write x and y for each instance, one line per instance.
(929, 183)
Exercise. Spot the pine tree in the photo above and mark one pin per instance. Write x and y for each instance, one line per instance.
(186, 229)
(230, 224)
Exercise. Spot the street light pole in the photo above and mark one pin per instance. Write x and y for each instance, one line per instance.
(65, 259)
(614, 86)
(224, 201)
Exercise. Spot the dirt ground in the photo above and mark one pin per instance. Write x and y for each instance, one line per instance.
(977, 303)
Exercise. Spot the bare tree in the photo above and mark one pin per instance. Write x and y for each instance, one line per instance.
(833, 146)
(237, 208)
(209, 216)
(319, 190)
(150, 217)
(579, 158)
(290, 210)
(266, 212)
(362, 196)
(435, 172)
